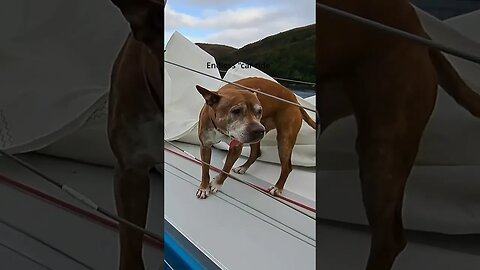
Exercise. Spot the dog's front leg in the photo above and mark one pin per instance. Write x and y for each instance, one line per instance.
(254, 154)
(232, 156)
(205, 155)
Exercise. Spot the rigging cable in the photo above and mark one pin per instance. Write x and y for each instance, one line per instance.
(83, 199)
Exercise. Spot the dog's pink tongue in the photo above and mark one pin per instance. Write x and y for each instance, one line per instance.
(234, 143)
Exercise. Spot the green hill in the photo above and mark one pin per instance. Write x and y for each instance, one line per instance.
(218, 51)
(290, 54)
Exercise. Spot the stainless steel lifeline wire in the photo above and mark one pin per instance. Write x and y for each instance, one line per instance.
(400, 33)
(241, 86)
(84, 199)
(252, 90)
(282, 79)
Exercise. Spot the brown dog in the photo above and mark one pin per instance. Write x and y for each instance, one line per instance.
(390, 85)
(239, 117)
(135, 120)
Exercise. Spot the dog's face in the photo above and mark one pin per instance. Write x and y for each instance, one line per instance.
(236, 112)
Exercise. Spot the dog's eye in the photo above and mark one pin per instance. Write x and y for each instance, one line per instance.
(237, 111)
(259, 111)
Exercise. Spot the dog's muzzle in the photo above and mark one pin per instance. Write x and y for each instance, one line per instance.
(255, 133)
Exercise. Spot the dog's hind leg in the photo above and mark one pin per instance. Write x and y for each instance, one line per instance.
(384, 168)
(386, 157)
(391, 113)
(254, 154)
(286, 139)
(132, 191)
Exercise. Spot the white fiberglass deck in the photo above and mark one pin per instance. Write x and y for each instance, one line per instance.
(345, 247)
(238, 228)
(91, 243)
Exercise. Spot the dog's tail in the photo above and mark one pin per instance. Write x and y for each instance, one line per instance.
(454, 85)
(308, 119)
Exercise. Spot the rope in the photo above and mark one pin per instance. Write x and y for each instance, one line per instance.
(69, 207)
(401, 33)
(250, 207)
(261, 190)
(83, 199)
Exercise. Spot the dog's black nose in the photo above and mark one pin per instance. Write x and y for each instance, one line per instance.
(258, 132)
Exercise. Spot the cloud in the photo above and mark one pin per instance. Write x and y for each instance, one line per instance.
(243, 17)
(211, 2)
(175, 19)
(237, 25)
(238, 37)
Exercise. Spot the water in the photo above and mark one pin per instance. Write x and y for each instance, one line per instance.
(304, 93)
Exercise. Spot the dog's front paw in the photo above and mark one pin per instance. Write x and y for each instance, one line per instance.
(202, 193)
(274, 191)
(240, 170)
(214, 186)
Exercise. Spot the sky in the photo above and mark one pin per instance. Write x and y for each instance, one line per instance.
(235, 23)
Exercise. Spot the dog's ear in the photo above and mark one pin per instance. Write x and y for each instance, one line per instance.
(211, 98)
(146, 19)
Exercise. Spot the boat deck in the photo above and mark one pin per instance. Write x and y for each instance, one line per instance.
(88, 241)
(239, 227)
(342, 246)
